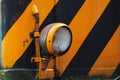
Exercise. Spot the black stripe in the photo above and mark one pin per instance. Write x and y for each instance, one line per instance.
(60, 13)
(25, 63)
(11, 11)
(95, 42)
(26, 58)
(64, 11)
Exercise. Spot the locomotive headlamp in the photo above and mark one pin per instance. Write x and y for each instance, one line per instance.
(55, 39)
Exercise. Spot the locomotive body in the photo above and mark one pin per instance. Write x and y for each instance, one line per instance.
(95, 27)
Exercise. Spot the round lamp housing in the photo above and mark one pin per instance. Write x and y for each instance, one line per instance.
(55, 39)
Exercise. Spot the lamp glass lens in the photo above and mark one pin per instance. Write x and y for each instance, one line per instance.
(61, 40)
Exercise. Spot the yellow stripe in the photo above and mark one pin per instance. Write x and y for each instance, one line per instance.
(17, 39)
(109, 58)
(81, 25)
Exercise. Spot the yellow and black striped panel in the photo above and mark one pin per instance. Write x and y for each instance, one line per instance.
(11, 11)
(17, 39)
(50, 19)
(108, 60)
(94, 25)
(81, 26)
(17, 46)
(95, 42)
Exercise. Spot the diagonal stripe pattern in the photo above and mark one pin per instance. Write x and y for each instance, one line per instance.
(11, 11)
(17, 38)
(95, 41)
(25, 58)
(109, 59)
(94, 25)
(81, 25)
